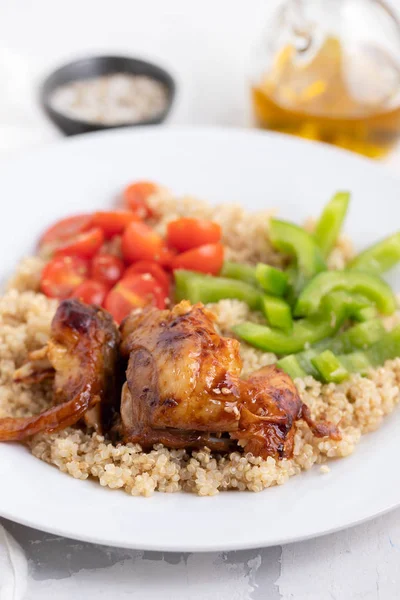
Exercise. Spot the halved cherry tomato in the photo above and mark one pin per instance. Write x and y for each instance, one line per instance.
(62, 275)
(107, 268)
(186, 233)
(65, 229)
(112, 246)
(205, 259)
(154, 269)
(136, 195)
(113, 222)
(91, 292)
(134, 292)
(140, 242)
(84, 245)
(166, 257)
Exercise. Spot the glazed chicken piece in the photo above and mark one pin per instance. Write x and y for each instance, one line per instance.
(81, 356)
(184, 388)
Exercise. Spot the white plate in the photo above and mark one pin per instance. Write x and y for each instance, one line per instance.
(259, 170)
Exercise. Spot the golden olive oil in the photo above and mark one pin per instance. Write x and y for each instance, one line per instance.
(318, 99)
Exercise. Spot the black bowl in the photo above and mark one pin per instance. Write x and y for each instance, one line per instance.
(96, 66)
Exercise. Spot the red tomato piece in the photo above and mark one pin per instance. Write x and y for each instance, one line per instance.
(65, 229)
(166, 257)
(152, 268)
(62, 275)
(186, 233)
(205, 259)
(134, 292)
(85, 244)
(140, 242)
(107, 269)
(112, 246)
(91, 292)
(136, 196)
(113, 222)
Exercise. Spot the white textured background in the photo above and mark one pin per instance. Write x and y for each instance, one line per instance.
(206, 47)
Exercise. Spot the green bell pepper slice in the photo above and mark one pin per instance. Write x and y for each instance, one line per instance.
(295, 284)
(291, 366)
(328, 227)
(378, 258)
(334, 311)
(240, 271)
(196, 287)
(298, 243)
(356, 362)
(271, 280)
(277, 312)
(305, 331)
(360, 336)
(370, 286)
(266, 338)
(329, 367)
(365, 314)
(386, 348)
(305, 361)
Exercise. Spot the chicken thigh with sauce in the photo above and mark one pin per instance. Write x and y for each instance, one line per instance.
(184, 388)
(82, 358)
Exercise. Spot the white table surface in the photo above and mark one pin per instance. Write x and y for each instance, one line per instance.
(206, 46)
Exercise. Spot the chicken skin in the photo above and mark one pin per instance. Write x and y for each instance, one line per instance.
(184, 388)
(81, 356)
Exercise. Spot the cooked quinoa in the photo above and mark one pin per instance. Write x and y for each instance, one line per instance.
(357, 406)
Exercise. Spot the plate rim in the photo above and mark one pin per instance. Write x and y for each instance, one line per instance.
(200, 549)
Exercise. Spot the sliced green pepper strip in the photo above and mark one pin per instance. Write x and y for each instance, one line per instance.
(239, 271)
(378, 258)
(272, 280)
(305, 361)
(330, 222)
(360, 336)
(305, 331)
(365, 314)
(295, 367)
(277, 312)
(291, 366)
(370, 286)
(356, 362)
(334, 311)
(295, 284)
(329, 367)
(386, 348)
(295, 241)
(196, 287)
